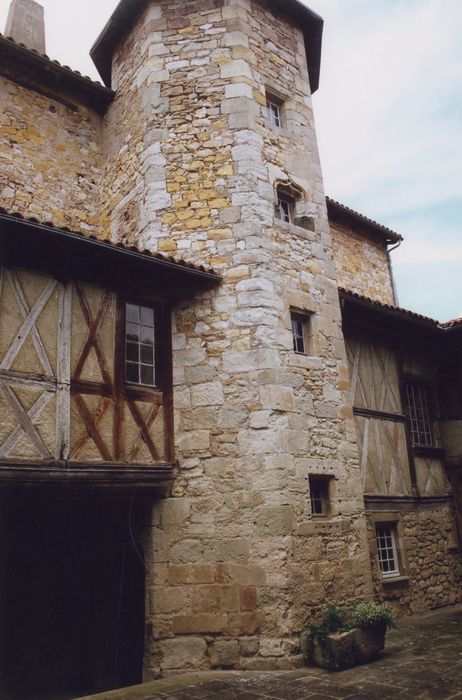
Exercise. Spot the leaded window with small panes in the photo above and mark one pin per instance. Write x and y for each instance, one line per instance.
(418, 408)
(387, 551)
(140, 345)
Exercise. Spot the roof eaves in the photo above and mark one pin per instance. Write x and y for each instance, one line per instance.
(8, 217)
(388, 308)
(50, 71)
(127, 10)
(378, 229)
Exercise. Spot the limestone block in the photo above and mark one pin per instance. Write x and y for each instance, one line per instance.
(178, 653)
(168, 600)
(275, 521)
(225, 654)
(236, 69)
(202, 623)
(277, 398)
(208, 394)
(194, 440)
(248, 360)
(190, 573)
(174, 511)
(232, 549)
(218, 598)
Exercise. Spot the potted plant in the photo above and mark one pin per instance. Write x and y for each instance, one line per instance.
(343, 640)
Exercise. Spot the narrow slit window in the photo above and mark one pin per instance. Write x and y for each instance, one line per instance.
(387, 551)
(301, 333)
(418, 408)
(274, 112)
(140, 345)
(285, 209)
(319, 494)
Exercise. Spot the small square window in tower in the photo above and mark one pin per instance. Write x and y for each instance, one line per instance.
(140, 345)
(387, 550)
(419, 411)
(301, 332)
(319, 494)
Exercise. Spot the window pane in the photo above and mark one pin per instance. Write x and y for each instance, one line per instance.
(133, 313)
(147, 316)
(147, 354)
(132, 352)
(147, 335)
(133, 332)
(132, 373)
(147, 375)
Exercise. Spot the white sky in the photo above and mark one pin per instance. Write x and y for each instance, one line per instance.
(389, 121)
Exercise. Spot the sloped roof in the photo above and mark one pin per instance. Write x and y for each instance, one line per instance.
(32, 69)
(28, 239)
(127, 10)
(398, 311)
(395, 310)
(385, 233)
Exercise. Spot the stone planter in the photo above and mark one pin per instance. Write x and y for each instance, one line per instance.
(342, 650)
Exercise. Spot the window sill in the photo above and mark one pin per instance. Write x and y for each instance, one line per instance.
(298, 359)
(436, 452)
(306, 233)
(395, 581)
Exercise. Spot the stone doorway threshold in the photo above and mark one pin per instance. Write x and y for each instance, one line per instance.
(422, 659)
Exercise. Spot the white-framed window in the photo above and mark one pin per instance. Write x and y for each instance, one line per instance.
(274, 112)
(140, 345)
(285, 208)
(319, 494)
(387, 550)
(301, 324)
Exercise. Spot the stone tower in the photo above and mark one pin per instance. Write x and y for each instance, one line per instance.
(211, 156)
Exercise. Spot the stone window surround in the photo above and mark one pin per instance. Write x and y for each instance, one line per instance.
(305, 318)
(302, 223)
(276, 98)
(391, 520)
(320, 486)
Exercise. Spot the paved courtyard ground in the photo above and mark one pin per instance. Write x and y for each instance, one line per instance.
(422, 659)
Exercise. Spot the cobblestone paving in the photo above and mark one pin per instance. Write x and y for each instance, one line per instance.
(422, 659)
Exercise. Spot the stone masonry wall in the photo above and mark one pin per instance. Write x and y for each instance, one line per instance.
(361, 262)
(49, 159)
(236, 562)
(428, 553)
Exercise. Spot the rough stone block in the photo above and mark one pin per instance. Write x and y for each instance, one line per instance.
(183, 653)
(225, 654)
(201, 623)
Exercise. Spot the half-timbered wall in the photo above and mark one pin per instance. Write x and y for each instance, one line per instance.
(380, 422)
(63, 397)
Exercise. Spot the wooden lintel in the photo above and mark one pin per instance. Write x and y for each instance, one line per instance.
(380, 415)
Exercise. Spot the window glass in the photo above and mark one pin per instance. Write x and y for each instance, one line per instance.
(386, 547)
(140, 345)
(301, 333)
(418, 408)
(274, 113)
(319, 494)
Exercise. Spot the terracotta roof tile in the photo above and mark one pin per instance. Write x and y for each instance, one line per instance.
(390, 307)
(386, 232)
(109, 244)
(54, 62)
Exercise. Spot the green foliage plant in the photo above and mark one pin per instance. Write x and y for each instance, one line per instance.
(335, 621)
(369, 614)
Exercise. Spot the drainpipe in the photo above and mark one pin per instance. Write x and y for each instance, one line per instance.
(392, 277)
